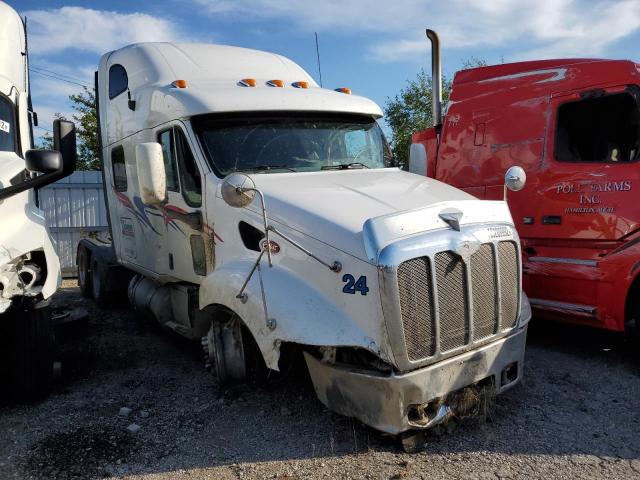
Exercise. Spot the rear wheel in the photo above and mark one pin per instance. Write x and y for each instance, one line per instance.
(84, 273)
(98, 283)
(632, 312)
(30, 353)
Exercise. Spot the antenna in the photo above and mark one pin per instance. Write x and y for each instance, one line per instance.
(318, 56)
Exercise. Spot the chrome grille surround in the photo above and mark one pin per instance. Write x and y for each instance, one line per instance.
(435, 286)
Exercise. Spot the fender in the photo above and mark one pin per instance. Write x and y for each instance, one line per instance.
(302, 314)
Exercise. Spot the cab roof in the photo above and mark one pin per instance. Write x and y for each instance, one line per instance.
(213, 76)
(544, 76)
(12, 48)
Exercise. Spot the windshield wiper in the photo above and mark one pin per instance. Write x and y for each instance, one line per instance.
(344, 166)
(263, 168)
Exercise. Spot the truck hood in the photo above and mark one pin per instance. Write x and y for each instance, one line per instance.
(333, 206)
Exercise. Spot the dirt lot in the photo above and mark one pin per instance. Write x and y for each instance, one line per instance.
(576, 415)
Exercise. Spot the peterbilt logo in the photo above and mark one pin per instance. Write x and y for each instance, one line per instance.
(451, 217)
(466, 248)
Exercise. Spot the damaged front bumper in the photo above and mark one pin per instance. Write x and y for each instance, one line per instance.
(384, 402)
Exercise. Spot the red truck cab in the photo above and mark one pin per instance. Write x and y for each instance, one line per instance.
(574, 126)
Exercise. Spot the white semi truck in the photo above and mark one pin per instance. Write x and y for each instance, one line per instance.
(260, 213)
(29, 266)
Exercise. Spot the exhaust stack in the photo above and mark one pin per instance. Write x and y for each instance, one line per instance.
(436, 78)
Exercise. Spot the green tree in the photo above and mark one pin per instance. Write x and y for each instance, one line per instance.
(86, 118)
(410, 110)
(46, 141)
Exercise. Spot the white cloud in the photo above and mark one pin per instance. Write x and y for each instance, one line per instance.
(96, 31)
(545, 28)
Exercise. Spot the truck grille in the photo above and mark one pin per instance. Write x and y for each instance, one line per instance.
(483, 294)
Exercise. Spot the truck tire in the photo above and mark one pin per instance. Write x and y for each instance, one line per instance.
(84, 273)
(30, 354)
(232, 353)
(98, 283)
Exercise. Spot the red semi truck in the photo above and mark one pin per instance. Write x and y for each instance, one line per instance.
(574, 126)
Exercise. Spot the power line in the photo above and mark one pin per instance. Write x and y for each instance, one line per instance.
(42, 128)
(59, 79)
(63, 75)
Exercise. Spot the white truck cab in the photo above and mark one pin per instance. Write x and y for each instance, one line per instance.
(261, 212)
(29, 266)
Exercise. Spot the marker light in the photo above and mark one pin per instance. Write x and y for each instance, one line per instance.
(247, 82)
(179, 84)
(275, 83)
(275, 248)
(300, 84)
(346, 90)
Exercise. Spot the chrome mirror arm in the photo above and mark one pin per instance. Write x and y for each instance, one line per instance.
(264, 219)
(334, 267)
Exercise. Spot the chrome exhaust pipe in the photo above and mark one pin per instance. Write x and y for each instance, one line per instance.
(436, 78)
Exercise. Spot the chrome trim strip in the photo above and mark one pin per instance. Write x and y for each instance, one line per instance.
(572, 261)
(436, 304)
(563, 306)
(469, 317)
(498, 286)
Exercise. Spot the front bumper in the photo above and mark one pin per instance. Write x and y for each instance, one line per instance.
(383, 401)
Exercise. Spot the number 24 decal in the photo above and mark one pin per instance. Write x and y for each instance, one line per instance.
(352, 285)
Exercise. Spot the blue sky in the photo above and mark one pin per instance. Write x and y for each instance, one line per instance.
(371, 46)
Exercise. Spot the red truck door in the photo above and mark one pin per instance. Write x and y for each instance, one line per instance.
(583, 205)
(589, 175)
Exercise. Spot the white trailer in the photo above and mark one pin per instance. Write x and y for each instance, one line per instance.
(259, 212)
(29, 267)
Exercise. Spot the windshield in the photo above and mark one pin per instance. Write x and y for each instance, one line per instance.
(7, 126)
(292, 144)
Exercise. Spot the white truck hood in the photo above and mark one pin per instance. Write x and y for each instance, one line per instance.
(333, 206)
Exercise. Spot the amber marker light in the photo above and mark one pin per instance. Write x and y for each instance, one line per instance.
(346, 90)
(247, 82)
(179, 84)
(300, 84)
(275, 83)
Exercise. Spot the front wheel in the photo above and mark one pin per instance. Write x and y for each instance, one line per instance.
(30, 353)
(232, 353)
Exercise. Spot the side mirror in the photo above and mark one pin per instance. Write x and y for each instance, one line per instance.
(418, 159)
(515, 178)
(151, 175)
(238, 190)
(52, 164)
(64, 141)
(43, 161)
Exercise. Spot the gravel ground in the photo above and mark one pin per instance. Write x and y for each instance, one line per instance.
(576, 415)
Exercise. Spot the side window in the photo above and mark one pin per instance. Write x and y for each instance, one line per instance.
(118, 81)
(7, 126)
(168, 153)
(189, 173)
(600, 129)
(119, 169)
